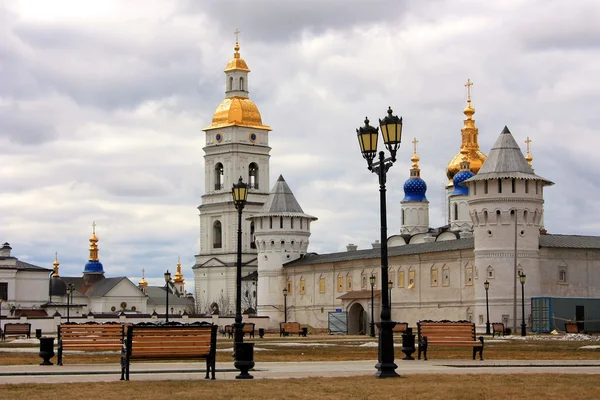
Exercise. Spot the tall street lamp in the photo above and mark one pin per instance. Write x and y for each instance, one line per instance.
(239, 192)
(285, 292)
(1, 300)
(372, 282)
(167, 281)
(69, 290)
(486, 285)
(522, 279)
(391, 131)
(390, 287)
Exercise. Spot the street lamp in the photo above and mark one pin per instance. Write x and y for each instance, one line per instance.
(167, 280)
(1, 300)
(372, 282)
(486, 285)
(390, 287)
(391, 131)
(70, 288)
(285, 292)
(239, 192)
(522, 279)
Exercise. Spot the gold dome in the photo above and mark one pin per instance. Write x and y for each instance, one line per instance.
(237, 62)
(238, 111)
(178, 274)
(142, 282)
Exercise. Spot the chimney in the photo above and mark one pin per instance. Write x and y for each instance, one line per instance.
(351, 247)
(376, 245)
(5, 250)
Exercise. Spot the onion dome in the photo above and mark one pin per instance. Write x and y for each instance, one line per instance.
(56, 264)
(415, 187)
(57, 286)
(93, 265)
(178, 274)
(470, 134)
(142, 282)
(462, 175)
(237, 62)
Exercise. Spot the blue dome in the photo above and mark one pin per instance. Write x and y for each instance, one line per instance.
(460, 177)
(93, 266)
(414, 190)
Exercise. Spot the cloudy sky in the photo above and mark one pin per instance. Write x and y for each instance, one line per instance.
(102, 105)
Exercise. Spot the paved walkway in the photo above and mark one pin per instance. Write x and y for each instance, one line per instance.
(279, 370)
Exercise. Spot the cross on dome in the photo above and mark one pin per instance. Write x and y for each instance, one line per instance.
(468, 86)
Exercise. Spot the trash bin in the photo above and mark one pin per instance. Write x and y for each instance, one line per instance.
(304, 331)
(408, 344)
(46, 350)
(38, 333)
(261, 332)
(244, 359)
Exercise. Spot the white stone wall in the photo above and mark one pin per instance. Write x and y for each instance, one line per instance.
(414, 217)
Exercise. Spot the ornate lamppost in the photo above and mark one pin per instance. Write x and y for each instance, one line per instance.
(285, 293)
(486, 285)
(372, 282)
(69, 290)
(167, 281)
(243, 362)
(522, 279)
(391, 131)
(390, 287)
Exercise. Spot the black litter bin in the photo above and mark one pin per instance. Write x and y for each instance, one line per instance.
(38, 333)
(46, 350)
(408, 344)
(261, 332)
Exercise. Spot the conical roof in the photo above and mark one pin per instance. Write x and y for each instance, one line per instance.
(507, 161)
(282, 203)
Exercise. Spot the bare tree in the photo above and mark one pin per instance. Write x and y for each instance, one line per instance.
(225, 304)
(249, 298)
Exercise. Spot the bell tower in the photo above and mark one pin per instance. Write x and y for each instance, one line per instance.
(237, 145)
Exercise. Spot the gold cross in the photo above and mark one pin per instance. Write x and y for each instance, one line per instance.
(56, 255)
(468, 86)
(94, 227)
(415, 141)
(236, 33)
(527, 142)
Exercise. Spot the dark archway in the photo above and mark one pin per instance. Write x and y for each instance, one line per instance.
(357, 318)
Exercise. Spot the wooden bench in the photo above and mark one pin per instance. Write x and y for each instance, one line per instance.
(285, 328)
(170, 342)
(249, 329)
(448, 334)
(498, 328)
(89, 337)
(16, 329)
(571, 327)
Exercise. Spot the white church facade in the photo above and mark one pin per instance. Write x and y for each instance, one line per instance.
(494, 233)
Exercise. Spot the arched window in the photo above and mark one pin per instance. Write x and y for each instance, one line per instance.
(485, 217)
(253, 176)
(322, 284)
(468, 275)
(498, 215)
(219, 178)
(231, 83)
(302, 285)
(241, 83)
(490, 272)
(445, 276)
(217, 235)
(401, 278)
(525, 215)
(252, 238)
(455, 211)
(434, 276)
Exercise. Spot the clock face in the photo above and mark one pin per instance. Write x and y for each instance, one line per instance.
(252, 137)
(218, 137)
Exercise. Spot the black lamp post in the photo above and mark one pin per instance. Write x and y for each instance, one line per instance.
(390, 287)
(522, 279)
(239, 192)
(1, 300)
(391, 131)
(486, 285)
(285, 292)
(372, 282)
(70, 288)
(167, 280)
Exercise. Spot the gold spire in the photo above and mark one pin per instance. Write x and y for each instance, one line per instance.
(528, 156)
(237, 62)
(142, 282)
(93, 245)
(415, 171)
(470, 143)
(178, 274)
(56, 264)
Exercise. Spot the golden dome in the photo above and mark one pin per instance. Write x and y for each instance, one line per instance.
(178, 274)
(56, 264)
(238, 111)
(142, 282)
(237, 62)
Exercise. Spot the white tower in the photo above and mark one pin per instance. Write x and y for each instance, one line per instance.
(460, 220)
(415, 206)
(282, 233)
(505, 202)
(237, 144)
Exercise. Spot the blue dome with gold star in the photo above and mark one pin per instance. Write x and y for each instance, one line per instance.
(460, 177)
(414, 189)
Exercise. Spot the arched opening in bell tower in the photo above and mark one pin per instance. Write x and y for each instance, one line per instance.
(253, 176)
(219, 177)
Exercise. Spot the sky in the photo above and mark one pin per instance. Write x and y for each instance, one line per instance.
(102, 105)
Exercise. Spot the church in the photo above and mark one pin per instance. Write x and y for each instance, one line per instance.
(494, 234)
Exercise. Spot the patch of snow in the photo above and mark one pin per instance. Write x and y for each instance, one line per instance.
(590, 347)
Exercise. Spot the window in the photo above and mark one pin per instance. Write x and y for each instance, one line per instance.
(499, 185)
(526, 186)
(4, 291)
(485, 187)
(321, 285)
(289, 287)
(434, 276)
(253, 176)
(219, 178)
(445, 276)
(514, 185)
(292, 222)
(261, 223)
(402, 217)
(475, 188)
(217, 235)
(489, 272)
(231, 83)
(363, 281)
(301, 223)
(348, 283)
(280, 222)
(455, 211)
(252, 238)
(411, 279)
(562, 276)
(340, 284)
(485, 217)
(241, 83)
(401, 278)
(392, 277)
(469, 275)
(498, 216)
(270, 222)
(302, 286)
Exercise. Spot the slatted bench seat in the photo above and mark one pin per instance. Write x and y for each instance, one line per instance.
(249, 329)
(17, 329)
(400, 327)
(170, 342)
(285, 328)
(448, 334)
(498, 328)
(89, 337)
